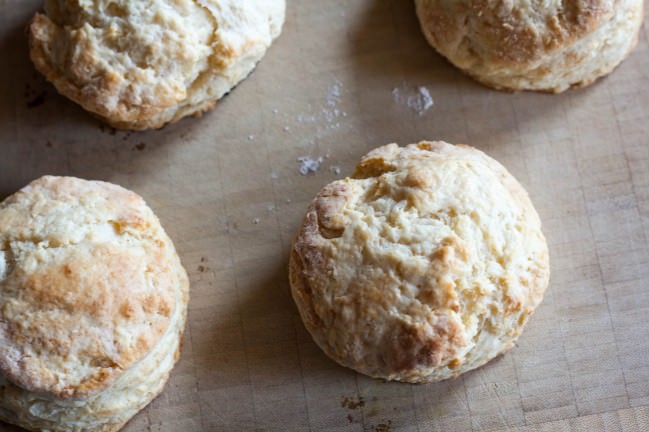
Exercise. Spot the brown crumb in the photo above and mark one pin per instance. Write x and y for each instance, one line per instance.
(48, 144)
(383, 427)
(352, 403)
(107, 129)
(203, 259)
(139, 147)
(201, 268)
(350, 418)
(37, 101)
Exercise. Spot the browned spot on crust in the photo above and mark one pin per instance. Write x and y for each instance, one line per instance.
(328, 207)
(127, 310)
(372, 168)
(511, 305)
(72, 288)
(90, 384)
(301, 289)
(417, 178)
(441, 291)
(412, 346)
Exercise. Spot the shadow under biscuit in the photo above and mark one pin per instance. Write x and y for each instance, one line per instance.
(43, 132)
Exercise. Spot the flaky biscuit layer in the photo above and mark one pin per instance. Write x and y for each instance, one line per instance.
(93, 301)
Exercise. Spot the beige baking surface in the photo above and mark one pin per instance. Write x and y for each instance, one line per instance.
(228, 190)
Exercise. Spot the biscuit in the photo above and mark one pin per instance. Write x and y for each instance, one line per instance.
(546, 46)
(141, 65)
(93, 302)
(426, 263)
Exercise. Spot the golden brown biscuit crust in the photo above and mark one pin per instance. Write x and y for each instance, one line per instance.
(89, 286)
(549, 46)
(405, 272)
(142, 65)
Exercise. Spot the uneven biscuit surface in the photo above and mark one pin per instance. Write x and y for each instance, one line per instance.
(426, 263)
(545, 45)
(142, 64)
(92, 305)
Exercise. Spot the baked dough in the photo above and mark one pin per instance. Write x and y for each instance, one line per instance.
(532, 45)
(93, 301)
(425, 264)
(143, 64)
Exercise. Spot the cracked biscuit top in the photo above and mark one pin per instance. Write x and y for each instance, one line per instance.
(88, 284)
(424, 264)
(142, 64)
(548, 45)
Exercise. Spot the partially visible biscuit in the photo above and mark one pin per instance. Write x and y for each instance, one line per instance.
(426, 263)
(141, 65)
(93, 302)
(525, 45)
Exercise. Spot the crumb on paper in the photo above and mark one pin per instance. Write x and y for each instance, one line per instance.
(37, 100)
(288, 200)
(256, 221)
(275, 110)
(274, 175)
(107, 129)
(287, 128)
(352, 403)
(383, 427)
(308, 165)
(251, 137)
(270, 208)
(418, 100)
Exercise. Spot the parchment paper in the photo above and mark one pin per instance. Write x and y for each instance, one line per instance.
(345, 77)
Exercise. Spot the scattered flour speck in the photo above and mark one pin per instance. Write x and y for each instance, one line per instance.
(424, 101)
(335, 169)
(309, 165)
(418, 100)
(255, 221)
(251, 137)
(305, 118)
(326, 117)
(335, 92)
